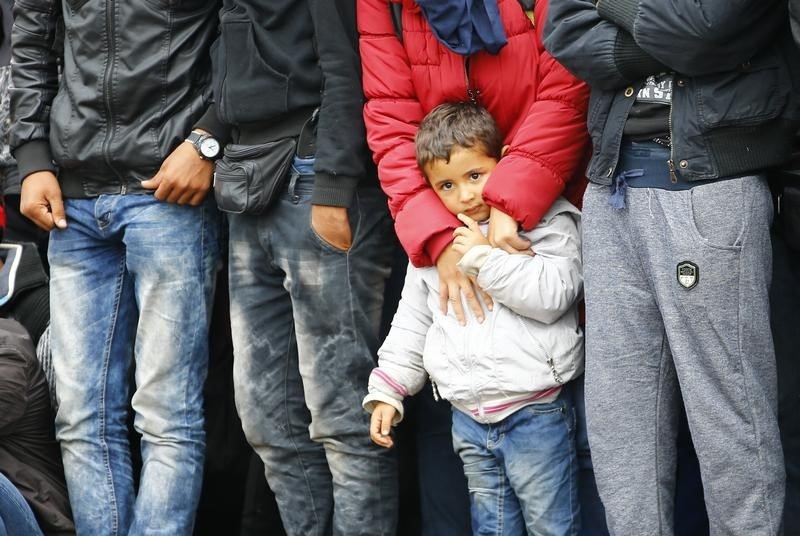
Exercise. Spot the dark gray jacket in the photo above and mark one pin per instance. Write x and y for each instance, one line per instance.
(275, 62)
(735, 99)
(135, 81)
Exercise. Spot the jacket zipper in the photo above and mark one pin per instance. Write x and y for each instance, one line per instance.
(471, 361)
(673, 177)
(472, 94)
(107, 93)
(548, 358)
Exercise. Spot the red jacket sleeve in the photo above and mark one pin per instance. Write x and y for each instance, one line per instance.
(392, 115)
(550, 148)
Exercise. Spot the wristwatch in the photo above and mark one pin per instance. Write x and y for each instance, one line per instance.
(207, 146)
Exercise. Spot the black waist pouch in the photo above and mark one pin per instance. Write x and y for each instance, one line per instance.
(248, 178)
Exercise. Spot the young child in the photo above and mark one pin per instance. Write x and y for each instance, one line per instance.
(513, 425)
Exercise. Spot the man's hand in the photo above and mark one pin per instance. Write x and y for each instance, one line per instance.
(465, 238)
(184, 177)
(453, 283)
(41, 202)
(380, 424)
(332, 225)
(503, 233)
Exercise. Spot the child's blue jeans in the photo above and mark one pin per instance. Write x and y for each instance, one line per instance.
(522, 472)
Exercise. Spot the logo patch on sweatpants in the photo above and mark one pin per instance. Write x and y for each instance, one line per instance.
(688, 274)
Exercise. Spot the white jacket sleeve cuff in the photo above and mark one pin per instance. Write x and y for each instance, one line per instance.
(473, 260)
(372, 399)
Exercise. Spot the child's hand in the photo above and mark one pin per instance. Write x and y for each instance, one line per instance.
(380, 424)
(467, 237)
(503, 234)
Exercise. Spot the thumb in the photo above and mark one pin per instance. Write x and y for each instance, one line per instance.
(152, 184)
(57, 210)
(519, 242)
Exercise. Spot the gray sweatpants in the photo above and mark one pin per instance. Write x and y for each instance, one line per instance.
(648, 335)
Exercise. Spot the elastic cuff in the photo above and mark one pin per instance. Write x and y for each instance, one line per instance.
(621, 12)
(333, 190)
(472, 261)
(374, 398)
(212, 124)
(437, 243)
(632, 62)
(34, 156)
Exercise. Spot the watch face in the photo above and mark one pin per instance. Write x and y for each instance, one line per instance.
(209, 148)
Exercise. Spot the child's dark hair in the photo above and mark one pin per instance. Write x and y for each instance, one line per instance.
(456, 124)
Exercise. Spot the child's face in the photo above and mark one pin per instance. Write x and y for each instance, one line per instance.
(459, 183)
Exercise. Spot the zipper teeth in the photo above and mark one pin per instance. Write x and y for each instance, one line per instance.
(671, 162)
(466, 77)
(472, 94)
(107, 89)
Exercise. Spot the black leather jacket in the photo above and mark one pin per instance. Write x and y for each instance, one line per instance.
(136, 79)
(735, 102)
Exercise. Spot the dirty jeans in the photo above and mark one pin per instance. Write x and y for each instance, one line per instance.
(305, 319)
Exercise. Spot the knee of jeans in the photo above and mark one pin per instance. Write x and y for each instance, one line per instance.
(483, 476)
(168, 416)
(172, 428)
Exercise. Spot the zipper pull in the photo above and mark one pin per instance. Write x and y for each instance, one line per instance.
(673, 177)
(473, 94)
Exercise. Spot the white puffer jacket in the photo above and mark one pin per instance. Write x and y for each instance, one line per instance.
(529, 344)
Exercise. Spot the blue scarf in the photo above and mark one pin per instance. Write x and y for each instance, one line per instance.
(465, 26)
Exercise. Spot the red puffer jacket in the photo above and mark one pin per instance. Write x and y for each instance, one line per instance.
(539, 106)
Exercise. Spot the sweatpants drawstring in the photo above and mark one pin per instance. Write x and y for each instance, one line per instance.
(620, 184)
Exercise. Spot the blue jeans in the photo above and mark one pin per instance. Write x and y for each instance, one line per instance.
(305, 318)
(522, 472)
(132, 281)
(16, 516)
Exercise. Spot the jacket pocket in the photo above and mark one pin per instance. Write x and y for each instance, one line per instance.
(242, 79)
(750, 95)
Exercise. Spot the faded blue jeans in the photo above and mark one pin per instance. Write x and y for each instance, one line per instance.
(16, 516)
(132, 281)
(522, 472)
(305, 318)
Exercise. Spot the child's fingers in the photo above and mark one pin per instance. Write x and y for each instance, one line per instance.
(469, 222)
(386, 421)
(380, 426)
(464, 232)
(375, 425)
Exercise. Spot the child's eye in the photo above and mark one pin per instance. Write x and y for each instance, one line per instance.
(446, 186)
(475, 176)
